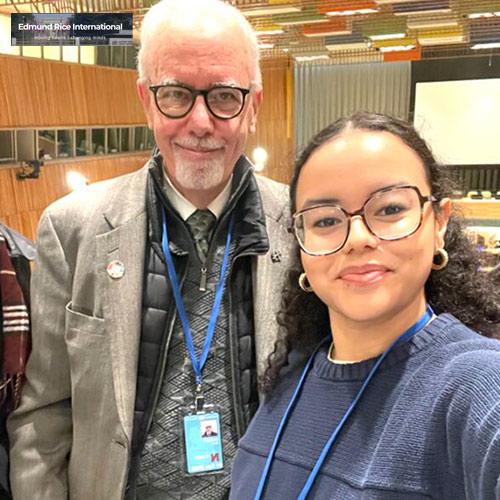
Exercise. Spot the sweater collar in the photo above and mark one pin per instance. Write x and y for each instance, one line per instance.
(430, 334)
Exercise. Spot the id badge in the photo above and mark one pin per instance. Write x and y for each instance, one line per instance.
(203, 441)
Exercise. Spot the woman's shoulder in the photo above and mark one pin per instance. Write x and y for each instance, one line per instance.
(458, 337)
(470, 363)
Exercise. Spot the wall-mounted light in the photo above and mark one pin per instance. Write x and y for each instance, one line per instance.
(259, 156)
(76, 180)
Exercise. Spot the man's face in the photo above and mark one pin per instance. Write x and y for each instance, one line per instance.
(200, 150)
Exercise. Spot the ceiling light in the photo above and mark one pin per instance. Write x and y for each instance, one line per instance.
(352, 12)
(396, 48)
(267, 11)
(482, 15)
(276, 31)
(311, 58)
(348, 7)
(340, 47)
(266, 46)
(491, 45)
(387, 36)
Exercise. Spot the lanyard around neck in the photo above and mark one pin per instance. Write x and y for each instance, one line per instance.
(198, 364)
(406, 335)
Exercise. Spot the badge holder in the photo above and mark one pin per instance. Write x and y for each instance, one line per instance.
(202, 438)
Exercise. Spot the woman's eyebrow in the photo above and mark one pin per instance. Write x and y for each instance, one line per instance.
(320, 201)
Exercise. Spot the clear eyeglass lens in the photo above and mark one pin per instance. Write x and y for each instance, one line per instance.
(390, 215)
(174, 100)
(393, 214)
(321, 229)
(224, 102)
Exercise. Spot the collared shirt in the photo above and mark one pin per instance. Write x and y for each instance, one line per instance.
(186, 208)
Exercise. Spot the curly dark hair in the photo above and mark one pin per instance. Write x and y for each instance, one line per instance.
(460, 288)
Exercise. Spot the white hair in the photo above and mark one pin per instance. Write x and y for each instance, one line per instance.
(171, 13)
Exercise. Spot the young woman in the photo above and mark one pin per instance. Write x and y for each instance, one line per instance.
(378, 389)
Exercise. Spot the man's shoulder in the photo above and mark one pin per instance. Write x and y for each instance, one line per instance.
(100, 196)
(272, 187)
(275, 197)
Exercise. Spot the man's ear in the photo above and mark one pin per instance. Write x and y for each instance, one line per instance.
(256, 102)
(145, 98)
(442, 217)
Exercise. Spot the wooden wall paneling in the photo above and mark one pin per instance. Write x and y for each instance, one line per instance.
(275, 121)
(23, 201)
(41, 93)
(8, 202)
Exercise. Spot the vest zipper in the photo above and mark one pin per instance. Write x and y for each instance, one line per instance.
(203, 279)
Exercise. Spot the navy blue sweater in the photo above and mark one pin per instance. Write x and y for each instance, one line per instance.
(428, 426)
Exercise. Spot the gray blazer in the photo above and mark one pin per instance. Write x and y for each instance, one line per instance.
(70, 437)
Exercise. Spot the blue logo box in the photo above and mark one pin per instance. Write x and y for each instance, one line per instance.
(71, 29)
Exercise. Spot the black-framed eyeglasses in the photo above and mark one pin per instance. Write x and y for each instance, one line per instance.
(389, 214)
(176, 101)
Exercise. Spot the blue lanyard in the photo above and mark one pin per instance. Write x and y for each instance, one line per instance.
(198, 364)
(427, 316)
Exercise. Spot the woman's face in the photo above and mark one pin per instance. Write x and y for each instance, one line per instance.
(369, 279)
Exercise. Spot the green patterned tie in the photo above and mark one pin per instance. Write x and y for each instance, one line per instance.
(201, 224)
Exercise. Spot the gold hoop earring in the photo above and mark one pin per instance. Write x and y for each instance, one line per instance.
(443, 259)
(304, 283)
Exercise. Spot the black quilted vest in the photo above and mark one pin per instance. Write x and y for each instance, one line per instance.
(158, 308)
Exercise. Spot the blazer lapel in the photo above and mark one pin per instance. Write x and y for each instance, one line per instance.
(121, 254)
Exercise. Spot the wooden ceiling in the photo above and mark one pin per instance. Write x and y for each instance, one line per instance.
(339, 31)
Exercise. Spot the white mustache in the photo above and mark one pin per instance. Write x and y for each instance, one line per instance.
(203, 144)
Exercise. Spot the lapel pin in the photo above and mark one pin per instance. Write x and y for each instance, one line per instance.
(276, 256)
(115, 269)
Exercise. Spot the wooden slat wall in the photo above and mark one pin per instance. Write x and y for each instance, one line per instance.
(42, 93)
(37, 96)
(22, 202)
(275, 121)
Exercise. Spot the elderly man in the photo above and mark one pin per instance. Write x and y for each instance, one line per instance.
(155, 294)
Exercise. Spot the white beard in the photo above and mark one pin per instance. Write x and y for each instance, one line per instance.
(199, 176)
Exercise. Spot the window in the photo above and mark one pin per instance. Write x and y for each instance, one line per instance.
(113, 140)
(70, 53)
(47, 142)
(53, 53)
(5, 46)
(83, 142)
(98, 141)
(125, 143)
(31, 51)
(150, 139)
(7, 153)
(87, 55)
(140, 138)
(64, 143)
(25, 140)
